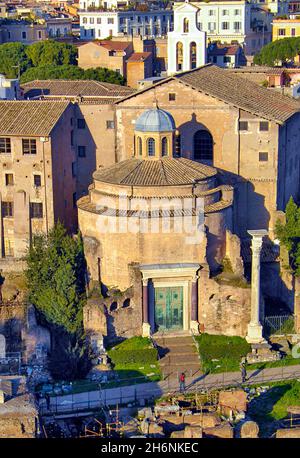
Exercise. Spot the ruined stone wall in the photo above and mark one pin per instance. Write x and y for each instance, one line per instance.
(223, 308)
(12, 321)
(23, 426)
(119, 315)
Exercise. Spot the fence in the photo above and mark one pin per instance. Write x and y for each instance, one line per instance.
(279, 324)
(78, 403)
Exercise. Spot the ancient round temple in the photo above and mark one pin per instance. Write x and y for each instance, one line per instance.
(151, 222)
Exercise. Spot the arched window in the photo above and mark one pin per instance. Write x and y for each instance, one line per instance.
(193, 55)
(186, 25)
(179, 56)
(151, 147)
(139, 146)
(164, 146)
(203, 146)
(178, 145)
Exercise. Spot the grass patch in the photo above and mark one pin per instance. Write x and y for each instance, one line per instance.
(135, 358)
(270, 408)
(221, 353)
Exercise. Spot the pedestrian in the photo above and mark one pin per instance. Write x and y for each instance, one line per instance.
(243, 371)
(47, 396)
(182, 382)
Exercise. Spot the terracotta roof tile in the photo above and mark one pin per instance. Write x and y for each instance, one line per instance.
(164, 172)
(139, 56)
(30, 118)
(74, 88)
(240, 92)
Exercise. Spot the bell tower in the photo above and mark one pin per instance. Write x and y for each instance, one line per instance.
(187, 43)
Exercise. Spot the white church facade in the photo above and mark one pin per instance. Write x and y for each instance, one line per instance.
(187, 43)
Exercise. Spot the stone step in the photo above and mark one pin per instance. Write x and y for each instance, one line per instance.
(187, 350)
(179, 360)
(175, 341)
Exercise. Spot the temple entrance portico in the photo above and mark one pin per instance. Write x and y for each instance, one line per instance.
(170, 298)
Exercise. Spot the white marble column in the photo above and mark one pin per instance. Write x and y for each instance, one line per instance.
(255, 328)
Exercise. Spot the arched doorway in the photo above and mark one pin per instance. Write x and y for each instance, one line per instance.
(203, 146)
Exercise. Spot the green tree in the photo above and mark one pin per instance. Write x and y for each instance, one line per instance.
(13, 59)
(51, 52)
(279, 51)
(289, 234)
(71, 72)
(55, 277)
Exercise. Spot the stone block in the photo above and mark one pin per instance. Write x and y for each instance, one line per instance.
(224, 431)
(288, 433)
(193, 432)
(178, 435)
(249, 429)
(233, 400)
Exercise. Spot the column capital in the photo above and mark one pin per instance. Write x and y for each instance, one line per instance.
(145, 281)
(195, 278)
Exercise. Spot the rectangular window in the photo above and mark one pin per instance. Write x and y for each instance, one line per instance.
(24, 35)
(5, 145)
(9, 179)
(263, 126)
(281, 32)
(7, 209)
(237, 25)
(225, 25)
(37, 180)
(226, 59)
(81, 123)
(263, 157)
(110, 124)
(72, 137)
(293, 32)
(98, 20)
(36, 210)
(29, 146)
(212, 13)
(211, 26)
(243, 125)
(91, 20)
(172, 97)
(225, 12)
(74, 169)
(110, 20)
(237, 12)
(81, 151)
(8, 247)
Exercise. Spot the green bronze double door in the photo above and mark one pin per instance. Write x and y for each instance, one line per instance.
(169, 308)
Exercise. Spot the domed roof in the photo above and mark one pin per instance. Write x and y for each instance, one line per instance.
(164, 172)
(155, 120)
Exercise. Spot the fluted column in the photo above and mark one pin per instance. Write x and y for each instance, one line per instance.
(194, 305)
(146, 324)
(255, 328)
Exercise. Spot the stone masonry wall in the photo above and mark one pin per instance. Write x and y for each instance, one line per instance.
(223, 309)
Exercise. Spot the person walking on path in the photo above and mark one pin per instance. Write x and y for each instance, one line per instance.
(182, 382)
(243, 371)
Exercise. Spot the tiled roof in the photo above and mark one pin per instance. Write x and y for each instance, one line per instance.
(223, 50)
(30, 117)
(163, 172)
(115, 45)
(234, 90)
(70, 88)
(139, 56)
(239, 92)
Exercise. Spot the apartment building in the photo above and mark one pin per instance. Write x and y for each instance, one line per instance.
(96, 23)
